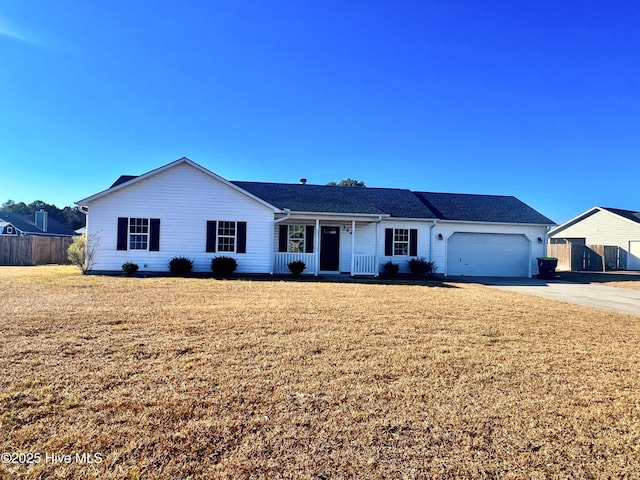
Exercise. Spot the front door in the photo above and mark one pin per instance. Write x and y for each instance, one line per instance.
(330, 249)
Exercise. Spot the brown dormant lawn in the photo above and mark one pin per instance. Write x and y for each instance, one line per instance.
(631, 285)
(170, 378)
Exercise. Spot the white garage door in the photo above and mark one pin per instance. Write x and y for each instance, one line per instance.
(633, 262)
(488, 254)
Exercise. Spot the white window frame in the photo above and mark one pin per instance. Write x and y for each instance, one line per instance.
(143, 240)
(300, 239)
(11, 230)
(223, 225)
(401, 244)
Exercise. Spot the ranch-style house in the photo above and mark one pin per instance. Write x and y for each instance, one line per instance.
(183, 209)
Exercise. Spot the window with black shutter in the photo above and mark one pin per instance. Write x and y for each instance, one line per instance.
(138, 234)
(400, 242)
(226, 236)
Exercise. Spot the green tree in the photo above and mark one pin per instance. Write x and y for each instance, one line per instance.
(347, 182)
(73, 217)
(13, 207)
(69, 216)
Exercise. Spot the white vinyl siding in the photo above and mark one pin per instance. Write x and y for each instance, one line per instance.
(423, 249)
(185, 198)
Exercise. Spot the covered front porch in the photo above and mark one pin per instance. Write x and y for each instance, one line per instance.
(327, 244)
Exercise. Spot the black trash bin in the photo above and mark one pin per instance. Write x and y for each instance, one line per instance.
(547, 267)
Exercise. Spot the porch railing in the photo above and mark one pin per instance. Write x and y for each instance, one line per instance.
(364, 265)
(282, 261)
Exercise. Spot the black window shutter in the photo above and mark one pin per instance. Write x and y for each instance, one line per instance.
(308, 247)
(388, 242)
(242, 237)
(123, 226)
(154, 235)
(212, 233)
(283, 241)
(413, 242)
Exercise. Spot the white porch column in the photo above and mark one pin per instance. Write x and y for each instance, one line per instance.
(316, 248)
(273, 248)
(353, 246)
(376, 252)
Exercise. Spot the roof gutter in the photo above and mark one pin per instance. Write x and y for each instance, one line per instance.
(286, 217)
(498, 223)
(340, 214)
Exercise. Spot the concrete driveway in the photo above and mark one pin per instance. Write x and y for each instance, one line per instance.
(614, 299)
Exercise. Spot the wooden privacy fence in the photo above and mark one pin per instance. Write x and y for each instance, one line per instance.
(33, 250)
(562, 251)
(576, 257)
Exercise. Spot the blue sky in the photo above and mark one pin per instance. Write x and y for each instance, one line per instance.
(537, 99)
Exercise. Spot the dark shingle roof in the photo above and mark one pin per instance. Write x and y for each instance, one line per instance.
(123, 179)
(325, 199)
(628, 214)
(26, 224)
(399, 203)
(481, 208)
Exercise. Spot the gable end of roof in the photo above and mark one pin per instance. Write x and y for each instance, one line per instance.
(629, 215)
(126, 180)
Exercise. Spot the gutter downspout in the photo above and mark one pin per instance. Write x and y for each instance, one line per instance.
(431, 240)
(530, 274)
(286, 217)
(273, 236)
(546, 241)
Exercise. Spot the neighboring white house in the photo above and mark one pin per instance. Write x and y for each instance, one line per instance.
(183, 209)
(604, 226)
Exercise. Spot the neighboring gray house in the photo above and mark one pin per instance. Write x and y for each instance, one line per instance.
(183, 209)
(39, 224)
(604, 226)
